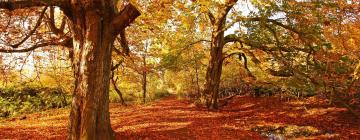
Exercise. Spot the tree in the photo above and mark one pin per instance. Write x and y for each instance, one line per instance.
(94, 25)
(214, 69)
(261, 34)
(144, 70)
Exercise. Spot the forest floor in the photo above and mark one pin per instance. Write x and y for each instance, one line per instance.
(244, 117)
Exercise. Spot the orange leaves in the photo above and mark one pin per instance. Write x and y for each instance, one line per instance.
(244, 118)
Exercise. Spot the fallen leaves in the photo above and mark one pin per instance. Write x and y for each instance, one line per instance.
(170, 118)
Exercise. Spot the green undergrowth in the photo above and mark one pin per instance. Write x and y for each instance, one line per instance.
(27, 99)
(137, 98)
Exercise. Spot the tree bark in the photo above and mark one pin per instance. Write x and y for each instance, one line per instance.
(89, 117)
(144, 74)
(198, 92)
(93, 36)
(113, 81)
(214, 69)
(144, 86)
(94, 25)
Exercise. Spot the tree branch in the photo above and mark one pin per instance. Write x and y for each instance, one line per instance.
(198, 41)
(117, 51)
(246, 64)
(244, 19)
(192, 43)
(114, 67)
(66, 43)
(224, 13)
(124, 18)
(234, 38)
(231, 54)
(51, 23)
(241, 56)
(211, 17)
(113, 82)
(21, 4)
(123, 42)
(38, 23)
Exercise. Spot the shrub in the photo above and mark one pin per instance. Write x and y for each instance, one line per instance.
(27, 99)
(114, 97)
(160, 93)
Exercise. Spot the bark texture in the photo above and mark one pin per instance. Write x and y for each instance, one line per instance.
(213, 73)
(214, 69)
(144, 72)
(94, 25)
(89, 117)
(93, 36)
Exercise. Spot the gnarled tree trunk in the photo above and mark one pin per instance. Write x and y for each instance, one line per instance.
(93, 37)
(214, 69)
(94, 25)
(213, 73)
(89, 117)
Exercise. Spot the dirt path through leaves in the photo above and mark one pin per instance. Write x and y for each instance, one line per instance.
(170, 118)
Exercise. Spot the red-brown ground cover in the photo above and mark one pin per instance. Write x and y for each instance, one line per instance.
(170, 118)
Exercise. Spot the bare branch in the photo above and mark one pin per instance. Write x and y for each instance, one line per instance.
(66, 43)
(38, 23)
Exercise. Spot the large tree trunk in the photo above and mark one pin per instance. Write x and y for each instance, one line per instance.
(92, 41)
(213, 73)
(214, 69)
(94, 25)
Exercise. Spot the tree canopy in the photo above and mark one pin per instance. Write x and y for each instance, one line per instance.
(92, 52)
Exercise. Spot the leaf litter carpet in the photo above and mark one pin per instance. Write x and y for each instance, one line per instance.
(244, 117)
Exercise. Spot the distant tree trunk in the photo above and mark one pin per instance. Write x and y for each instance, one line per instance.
(117, 90)
(214, 69)
(144, 83)
(197, 79)
(144, 74)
